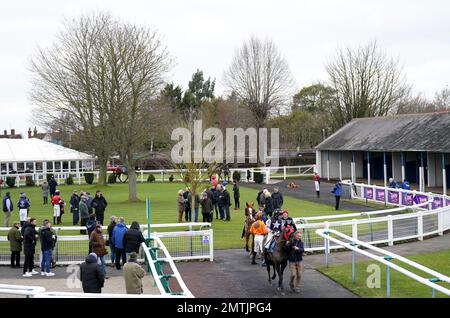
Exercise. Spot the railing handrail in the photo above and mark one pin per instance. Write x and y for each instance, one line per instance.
(324, 233)
(175, 271)
(102, 295)
(22, 290)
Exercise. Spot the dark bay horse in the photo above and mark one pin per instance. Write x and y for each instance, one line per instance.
(279, 257)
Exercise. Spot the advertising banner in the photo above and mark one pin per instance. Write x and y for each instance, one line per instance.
(368, 193)
(393, 197)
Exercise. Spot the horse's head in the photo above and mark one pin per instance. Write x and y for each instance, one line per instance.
(249, 209)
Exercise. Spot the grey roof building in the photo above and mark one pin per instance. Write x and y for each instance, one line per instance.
(415, 147)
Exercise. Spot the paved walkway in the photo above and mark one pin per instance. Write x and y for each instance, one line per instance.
(306, 191)
(232, 275)
(65, 281)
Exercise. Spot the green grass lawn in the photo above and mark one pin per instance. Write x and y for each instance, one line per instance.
(401, 285)
(163, 207)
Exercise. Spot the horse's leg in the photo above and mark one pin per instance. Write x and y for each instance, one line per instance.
(268, 269)
(247, 236)
(280, 276)
(280, 281)
(274, 270)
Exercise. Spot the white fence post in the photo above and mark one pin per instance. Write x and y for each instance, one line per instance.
(441, 222)
(390, 231)
(420, 227)
(211, 246)
(355, 229)
(284, 173)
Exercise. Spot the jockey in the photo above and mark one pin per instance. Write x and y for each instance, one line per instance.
(287, 221)
(258, 230)
(274, 226)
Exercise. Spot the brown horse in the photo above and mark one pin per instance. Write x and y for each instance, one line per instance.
(279, 257)
(249, 220)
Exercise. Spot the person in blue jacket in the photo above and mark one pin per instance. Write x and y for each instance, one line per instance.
(405, 185)
(117, 240)
(337, 191)
(392, 183)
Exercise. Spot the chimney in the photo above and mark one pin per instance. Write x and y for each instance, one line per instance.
(35, 131)
(5, 132)
(13, 132)
(29, 132)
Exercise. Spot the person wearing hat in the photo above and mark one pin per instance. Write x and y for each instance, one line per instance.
(286, 221)
(133, 274)
(57, 202)
(23, 206)
(91, 275)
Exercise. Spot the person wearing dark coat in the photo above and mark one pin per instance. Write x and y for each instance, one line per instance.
(52, 184)
(47, 240)
(236, 195)
(99, 204)
(29, 243)
(15, 242)
(277, 199)
(215, 200)
(91, 275)
(133, 238)
(224, 203)
(74, 207)
(207, 207)
(110, 229)
(187, 205)
(296, 250)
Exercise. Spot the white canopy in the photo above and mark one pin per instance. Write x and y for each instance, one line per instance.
(33, 149)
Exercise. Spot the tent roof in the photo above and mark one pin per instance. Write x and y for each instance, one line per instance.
(33, 149)
(412, 132)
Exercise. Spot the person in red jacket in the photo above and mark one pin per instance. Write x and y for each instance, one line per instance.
(316, 179)
(58, 207)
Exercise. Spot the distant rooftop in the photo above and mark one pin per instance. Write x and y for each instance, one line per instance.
(412, 132)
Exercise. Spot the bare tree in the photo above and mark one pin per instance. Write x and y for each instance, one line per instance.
(366, 82)
(68, 85)
(103, 76)
(442, 99)
(261, 78)
(415, 104)
(138, 62)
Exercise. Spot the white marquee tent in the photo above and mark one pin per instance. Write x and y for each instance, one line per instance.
(38, 156)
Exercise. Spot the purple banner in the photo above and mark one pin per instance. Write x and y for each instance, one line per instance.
(393, 197)
(448, 202)
(437, 203)
(379, 194)
(407, 199)
(419, 198)
(368, 193)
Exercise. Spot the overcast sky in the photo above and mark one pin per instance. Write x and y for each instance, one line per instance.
(203, 34)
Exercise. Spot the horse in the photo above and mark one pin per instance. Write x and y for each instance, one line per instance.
(279, 257)
(249, 220)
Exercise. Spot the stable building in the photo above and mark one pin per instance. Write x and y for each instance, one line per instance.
(414, 147)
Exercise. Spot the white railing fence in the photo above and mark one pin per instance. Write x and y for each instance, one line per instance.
(386, 257)
(163, 175)
(418, 215)
(189, 243)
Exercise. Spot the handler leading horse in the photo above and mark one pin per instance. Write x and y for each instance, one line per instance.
(249, 220)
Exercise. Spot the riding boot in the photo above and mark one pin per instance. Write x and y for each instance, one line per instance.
(253, 258)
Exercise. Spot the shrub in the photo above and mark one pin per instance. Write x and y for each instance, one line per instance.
(112, 178)
(11, 182)
(258, 177)
(29, 182)
(171, 178)
(151, 178)
(89, 178)
(237, 175)
(69, 180)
